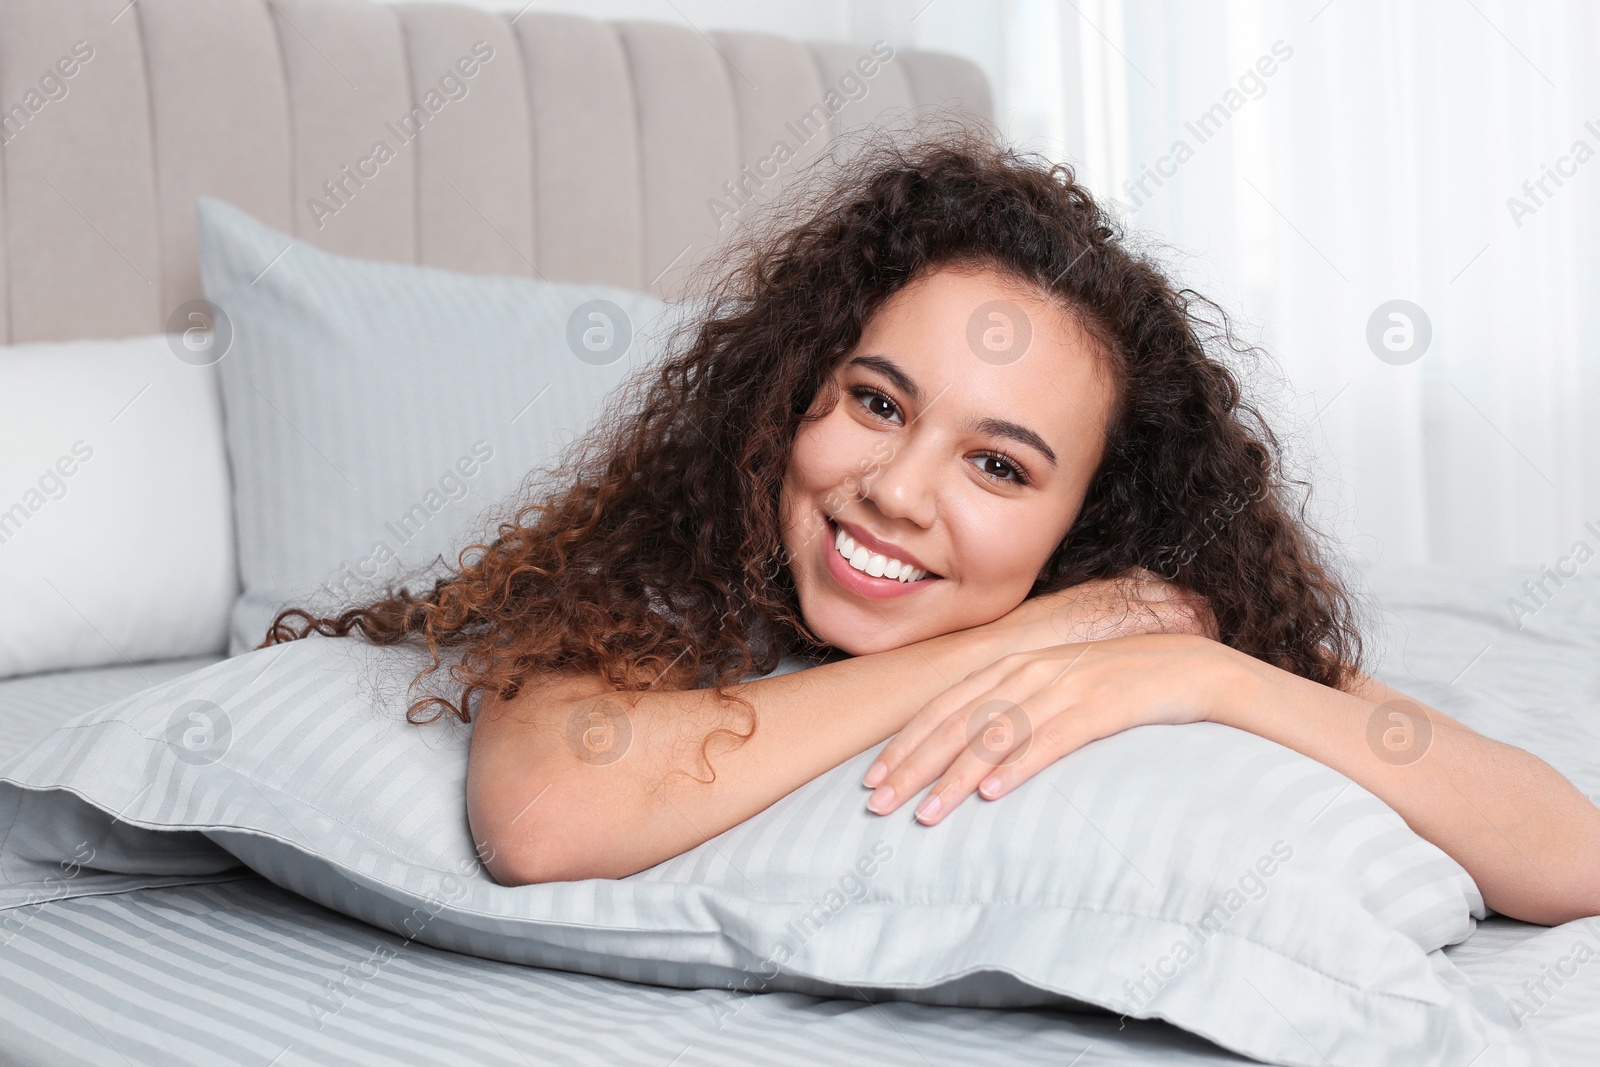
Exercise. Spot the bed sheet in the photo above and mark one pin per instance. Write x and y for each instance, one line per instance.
(242, 972)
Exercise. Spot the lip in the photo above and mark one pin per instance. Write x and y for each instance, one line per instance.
(866, 585)
(887, 548)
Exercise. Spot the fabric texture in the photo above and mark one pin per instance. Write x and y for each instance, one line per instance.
(236, 973)
(34, 704)
(116, 538)
(1513, 658)
(379, 414)
(1196, 874)
(548, 145)
(1436, 388)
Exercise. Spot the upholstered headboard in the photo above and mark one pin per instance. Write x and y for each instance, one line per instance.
(553, 146)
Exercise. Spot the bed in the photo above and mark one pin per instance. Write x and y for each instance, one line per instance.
(592, 158)
(240, 971)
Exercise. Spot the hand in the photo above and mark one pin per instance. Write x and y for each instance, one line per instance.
(1004, 723)
(1135, 602)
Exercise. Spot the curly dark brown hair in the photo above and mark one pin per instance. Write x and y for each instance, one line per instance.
(652, 552)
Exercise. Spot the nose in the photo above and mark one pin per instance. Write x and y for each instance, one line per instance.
(902, 485)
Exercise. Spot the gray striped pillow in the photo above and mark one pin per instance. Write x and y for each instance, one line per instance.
(1197, 874)
(375, 410)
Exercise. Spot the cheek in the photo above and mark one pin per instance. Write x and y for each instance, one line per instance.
(807, 487)
(1005, 552)
(827, 455)
(796, 496)
(1001, 549)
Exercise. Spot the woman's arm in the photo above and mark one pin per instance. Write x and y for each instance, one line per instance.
(570, 780)
(1527, 836)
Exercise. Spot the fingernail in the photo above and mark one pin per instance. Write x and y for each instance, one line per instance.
(990, 786)
(881, 798)
(929, 807)
(875, 773)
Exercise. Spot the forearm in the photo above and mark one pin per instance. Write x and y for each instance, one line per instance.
(1526, 835)
(609, 817)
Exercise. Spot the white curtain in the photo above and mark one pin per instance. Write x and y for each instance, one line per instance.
(1308, 163)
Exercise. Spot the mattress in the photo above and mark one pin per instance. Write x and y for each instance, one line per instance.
(240, 971)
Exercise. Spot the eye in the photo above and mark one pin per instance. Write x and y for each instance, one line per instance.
(1002, 468)
(1013, 471)
(877, 403)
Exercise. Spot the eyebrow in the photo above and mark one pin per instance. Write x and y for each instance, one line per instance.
(991, 427)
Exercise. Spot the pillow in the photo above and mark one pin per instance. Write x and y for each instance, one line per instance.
(1194, 873)
(374, 410)
(116, 538)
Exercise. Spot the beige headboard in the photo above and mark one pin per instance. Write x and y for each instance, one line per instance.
(574, 150)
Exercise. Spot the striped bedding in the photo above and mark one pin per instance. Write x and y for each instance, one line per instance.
(35, 704)
(240, 971)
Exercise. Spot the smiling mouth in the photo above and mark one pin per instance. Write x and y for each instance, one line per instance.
(834, 531)
(875, 564)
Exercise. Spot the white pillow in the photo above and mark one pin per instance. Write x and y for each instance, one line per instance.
(1198, 874)
(377, 410)
(116, 526)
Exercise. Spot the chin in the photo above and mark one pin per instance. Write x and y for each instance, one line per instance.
(859, 637)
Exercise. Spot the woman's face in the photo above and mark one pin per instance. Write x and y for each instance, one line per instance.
(971, 418)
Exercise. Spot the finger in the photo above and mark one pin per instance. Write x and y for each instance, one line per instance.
(916, 768)
(980, 733)
(1006, 740)
(1060, 736)
(926, 721)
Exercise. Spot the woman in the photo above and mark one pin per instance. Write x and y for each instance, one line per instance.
(938, 427)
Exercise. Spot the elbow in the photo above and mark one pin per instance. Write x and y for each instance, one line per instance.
(517, 855)
(537, 816)
(1560, 894)
(523, 840)
(1587, 904)
(514, 858)
(1556, 912)
(555, 850)
(1582, 901)
(517, 865)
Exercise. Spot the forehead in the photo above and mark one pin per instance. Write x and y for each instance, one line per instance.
(983, 342)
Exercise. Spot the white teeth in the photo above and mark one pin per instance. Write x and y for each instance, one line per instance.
(873, 563)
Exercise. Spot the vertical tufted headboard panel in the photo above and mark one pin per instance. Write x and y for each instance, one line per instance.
(551, 146)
